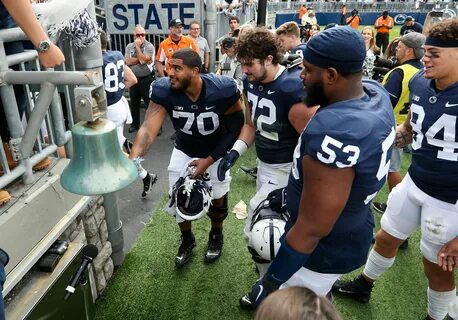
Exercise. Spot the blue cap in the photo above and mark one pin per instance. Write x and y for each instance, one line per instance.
(341, 48)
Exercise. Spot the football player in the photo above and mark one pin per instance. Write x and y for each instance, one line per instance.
(340, 163)
(427, 197)
(275, 116)
(116, 78)
(207, 114)
(289, 36)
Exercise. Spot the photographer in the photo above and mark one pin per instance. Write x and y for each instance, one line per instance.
(384, 65)
(354, 20)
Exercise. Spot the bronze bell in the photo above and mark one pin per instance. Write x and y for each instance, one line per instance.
(98, 165)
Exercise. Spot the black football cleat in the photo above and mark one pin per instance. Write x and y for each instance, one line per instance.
(358, 289)
(245, 303)
(379, 207)
(148, 182)
(185, 252)
(250, 171)
(215, 247)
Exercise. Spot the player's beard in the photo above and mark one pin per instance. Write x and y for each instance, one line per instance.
(181, 85)
(263, 75)
(315, 95)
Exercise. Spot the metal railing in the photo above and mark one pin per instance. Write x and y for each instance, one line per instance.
(48, 97)
(363, 6)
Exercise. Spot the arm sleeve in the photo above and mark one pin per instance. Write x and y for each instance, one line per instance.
(233, 124)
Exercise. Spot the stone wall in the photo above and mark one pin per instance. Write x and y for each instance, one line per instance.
(91, 227)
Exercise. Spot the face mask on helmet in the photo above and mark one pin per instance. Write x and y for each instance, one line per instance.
(192, 197)
(266, 229)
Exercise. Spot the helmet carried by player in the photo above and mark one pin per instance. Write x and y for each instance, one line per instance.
(267, 226)
(192, 196)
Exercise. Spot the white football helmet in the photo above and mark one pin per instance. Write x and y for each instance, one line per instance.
(192, 196)
(266, 229)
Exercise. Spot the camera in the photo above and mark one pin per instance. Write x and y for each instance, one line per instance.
(382, 66)
(436, 14)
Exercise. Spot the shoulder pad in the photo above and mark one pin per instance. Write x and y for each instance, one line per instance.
(291, 81)
(225, 86)
(160, 87)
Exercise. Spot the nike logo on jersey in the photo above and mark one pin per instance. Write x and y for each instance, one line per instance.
(448, 104)
(209, 108)
(270, 182)
(270, 92)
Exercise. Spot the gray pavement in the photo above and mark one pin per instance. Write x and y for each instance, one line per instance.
(136, 211)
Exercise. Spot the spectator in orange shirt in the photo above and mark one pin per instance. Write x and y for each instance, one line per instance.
(354, 20)
(383, 25)
(174, 42)
(302, 11)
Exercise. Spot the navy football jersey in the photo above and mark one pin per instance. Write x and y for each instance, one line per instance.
(270, 104)
(434, 167)
(357, 133)
(299, 50)
(113, 75)
(197, 123)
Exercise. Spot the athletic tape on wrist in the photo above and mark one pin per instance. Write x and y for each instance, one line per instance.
(240, 146)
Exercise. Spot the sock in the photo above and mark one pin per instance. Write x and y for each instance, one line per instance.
(142, 173)
(216, 230)
(439, 302)
(187, 235)
(376, 265)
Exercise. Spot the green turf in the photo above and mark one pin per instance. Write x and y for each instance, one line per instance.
(147, 286)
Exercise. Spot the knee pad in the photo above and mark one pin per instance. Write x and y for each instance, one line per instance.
(218, 213)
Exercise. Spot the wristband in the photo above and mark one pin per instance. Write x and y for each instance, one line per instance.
(240, 146)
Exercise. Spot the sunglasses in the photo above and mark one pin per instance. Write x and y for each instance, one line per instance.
(138, 35)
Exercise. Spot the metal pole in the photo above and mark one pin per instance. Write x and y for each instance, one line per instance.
(54, 77)
(262, 13)
(114, 226)
(36, 118)
(210, 31)
(57, 119)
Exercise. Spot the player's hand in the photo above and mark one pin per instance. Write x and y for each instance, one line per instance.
(277, 200)
(201, 165)
(52, 57)
(226, 163)
(447, 257)
(253, 299)
(404, 136)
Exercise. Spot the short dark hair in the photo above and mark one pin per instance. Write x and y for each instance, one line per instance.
(190, 58)
(194, 22)
(258, 44)
(234, 18)
(103, 39)
(228, 42)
